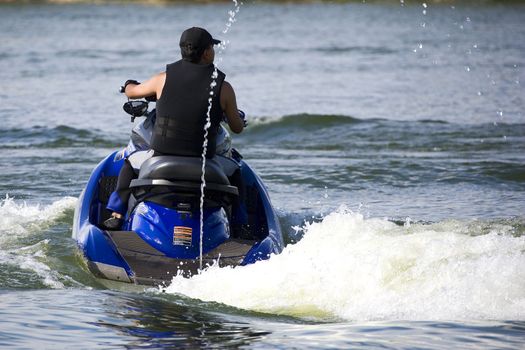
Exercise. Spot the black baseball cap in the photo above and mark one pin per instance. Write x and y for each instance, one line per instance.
(197, 37)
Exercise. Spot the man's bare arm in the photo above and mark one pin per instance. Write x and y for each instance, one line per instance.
(150, 87)
(229, 107)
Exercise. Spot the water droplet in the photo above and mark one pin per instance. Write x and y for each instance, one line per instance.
(475, 46)
(468, 19)
(505, 137)
(500, 113)
(480, 93)
(424, 12)
(424, 5)
(467, 68)
(420, 46)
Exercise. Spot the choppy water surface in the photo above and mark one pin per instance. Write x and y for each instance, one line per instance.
(391, 139)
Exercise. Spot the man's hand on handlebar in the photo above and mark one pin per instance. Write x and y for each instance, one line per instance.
(242, 115)
(122, 89)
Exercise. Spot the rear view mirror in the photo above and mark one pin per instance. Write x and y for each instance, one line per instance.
(136, 108)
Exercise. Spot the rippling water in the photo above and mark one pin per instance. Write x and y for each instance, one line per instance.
(391, 139)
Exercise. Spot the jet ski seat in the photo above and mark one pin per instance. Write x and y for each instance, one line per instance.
(182, 169)
(183, 173)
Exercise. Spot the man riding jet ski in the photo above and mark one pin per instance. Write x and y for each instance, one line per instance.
(150, 223)
(182, 94)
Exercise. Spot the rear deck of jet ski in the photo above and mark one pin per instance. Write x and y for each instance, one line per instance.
(153, 268)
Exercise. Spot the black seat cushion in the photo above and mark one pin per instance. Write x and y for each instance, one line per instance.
(176, 168)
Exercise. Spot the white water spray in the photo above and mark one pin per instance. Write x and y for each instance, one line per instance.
(352, 268)
(222, 47)
(19, 223)
(204, 151)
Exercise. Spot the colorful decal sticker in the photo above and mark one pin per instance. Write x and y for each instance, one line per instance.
(182, 235)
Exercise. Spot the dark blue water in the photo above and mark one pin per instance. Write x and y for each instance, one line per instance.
(391, 139)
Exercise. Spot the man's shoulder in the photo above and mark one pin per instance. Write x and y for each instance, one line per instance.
(227, 90)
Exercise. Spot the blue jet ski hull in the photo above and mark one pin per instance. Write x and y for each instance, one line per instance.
(157, 242)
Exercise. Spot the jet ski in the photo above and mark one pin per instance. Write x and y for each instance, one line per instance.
(161, 233)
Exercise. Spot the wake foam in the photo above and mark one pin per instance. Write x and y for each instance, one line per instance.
(21, 218)
(348, 267)
(21, 223)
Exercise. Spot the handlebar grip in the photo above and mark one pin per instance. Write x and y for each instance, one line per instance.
(130, 81)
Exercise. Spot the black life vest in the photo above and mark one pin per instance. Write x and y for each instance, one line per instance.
(182, 110)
